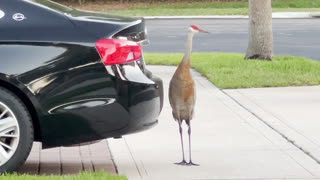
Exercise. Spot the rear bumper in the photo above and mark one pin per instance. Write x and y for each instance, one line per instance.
(145, 98)
(130, 101)
(146, 105)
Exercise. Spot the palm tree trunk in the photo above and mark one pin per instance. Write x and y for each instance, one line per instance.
(260, 30)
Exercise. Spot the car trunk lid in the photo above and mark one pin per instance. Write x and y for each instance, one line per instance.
(105, 26)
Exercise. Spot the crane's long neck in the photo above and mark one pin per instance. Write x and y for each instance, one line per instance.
(187, 55)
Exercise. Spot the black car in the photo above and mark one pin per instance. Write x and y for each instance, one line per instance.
(69, 77)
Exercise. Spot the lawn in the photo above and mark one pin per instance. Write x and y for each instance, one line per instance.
(195, 8)
(82, 176)
(230, 71)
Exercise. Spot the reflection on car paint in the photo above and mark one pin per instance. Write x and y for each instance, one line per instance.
(37, 85)
(129, 72)
(87, 103)
(2, 14)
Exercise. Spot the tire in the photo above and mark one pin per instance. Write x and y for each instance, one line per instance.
(17, 126)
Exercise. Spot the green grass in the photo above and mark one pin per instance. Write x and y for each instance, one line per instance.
(213, 8)
(82, 176)
(230, 70)
(226, 5)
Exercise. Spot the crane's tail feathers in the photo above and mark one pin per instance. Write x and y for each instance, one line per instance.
(175, 116)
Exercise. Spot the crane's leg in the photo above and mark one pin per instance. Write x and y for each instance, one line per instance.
(183, 162)
(189, 133)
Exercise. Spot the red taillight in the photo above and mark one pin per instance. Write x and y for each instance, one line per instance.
(117, 51)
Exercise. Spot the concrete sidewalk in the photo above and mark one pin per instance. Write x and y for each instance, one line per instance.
(229, 142)
(292, 111)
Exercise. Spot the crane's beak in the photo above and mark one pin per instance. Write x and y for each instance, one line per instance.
(203, 31)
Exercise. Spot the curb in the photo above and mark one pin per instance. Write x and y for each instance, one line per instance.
(279, 15)
(315, 14)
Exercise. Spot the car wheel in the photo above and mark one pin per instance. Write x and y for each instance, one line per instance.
(16, 132)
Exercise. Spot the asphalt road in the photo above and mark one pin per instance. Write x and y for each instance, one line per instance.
(297, 37)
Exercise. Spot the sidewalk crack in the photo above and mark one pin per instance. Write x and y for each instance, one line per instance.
(135, 162)
(112, 157)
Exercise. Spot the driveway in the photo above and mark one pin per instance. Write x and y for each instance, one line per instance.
(69, 160)
(229, 142)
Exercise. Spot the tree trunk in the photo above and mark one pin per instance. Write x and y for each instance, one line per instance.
(260, 30)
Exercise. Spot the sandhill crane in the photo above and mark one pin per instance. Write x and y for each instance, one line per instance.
(182, 93)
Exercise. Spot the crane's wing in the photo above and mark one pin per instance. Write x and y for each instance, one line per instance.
(171, 101)
(173, 96)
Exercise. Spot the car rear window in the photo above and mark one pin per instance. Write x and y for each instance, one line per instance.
(52, 5)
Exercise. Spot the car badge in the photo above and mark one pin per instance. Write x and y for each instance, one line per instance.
(18, 17)
(1, 14)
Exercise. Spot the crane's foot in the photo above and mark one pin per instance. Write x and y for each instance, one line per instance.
(192, 164)
(182, 163)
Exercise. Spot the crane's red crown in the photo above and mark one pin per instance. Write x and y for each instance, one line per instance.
(195, 27)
